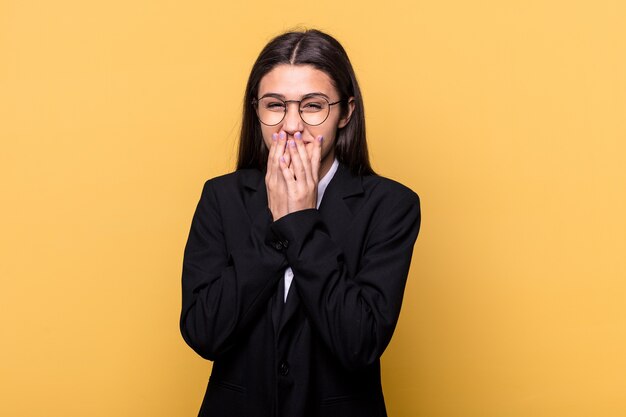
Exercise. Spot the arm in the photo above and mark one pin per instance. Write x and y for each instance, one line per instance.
(224, 292)
(354, 312)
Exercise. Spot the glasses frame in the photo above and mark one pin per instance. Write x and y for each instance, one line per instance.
(255, 103)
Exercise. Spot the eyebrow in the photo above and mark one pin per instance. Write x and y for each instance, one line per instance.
(282, 97)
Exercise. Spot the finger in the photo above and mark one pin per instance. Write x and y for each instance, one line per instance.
(286, 154)
(297, 163)
(316, 158)
(281, 143)
(304, 157)
(272, 150)
(287, 175)
(280, 150)
(287, 157)
(270, 177)
(270, 157)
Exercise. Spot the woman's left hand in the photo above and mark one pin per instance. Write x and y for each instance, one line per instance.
(302, 175)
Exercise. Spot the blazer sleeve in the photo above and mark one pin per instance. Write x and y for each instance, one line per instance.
(356, 314)
(224, 291)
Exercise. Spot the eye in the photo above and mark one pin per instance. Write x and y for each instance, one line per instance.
(272, 104)
(313, 105)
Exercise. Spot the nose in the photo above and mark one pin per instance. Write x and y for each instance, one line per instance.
(292, 122)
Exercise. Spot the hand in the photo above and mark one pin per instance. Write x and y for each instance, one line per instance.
(274, 180)
(302, 175)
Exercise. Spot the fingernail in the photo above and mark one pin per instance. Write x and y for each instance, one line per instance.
(274, 136)
(298, 135)
(292, 143)
(282, 159)
(321, 138)
(282, 135)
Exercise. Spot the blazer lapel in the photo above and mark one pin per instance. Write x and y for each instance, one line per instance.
(341, 201)
(254, 193)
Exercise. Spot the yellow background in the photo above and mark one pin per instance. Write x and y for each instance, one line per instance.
(507, 117)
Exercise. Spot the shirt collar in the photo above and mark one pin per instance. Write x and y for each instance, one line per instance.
(323, 183)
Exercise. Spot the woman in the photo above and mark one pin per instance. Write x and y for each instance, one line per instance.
(296, 263)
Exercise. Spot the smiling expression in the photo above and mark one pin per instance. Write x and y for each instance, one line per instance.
(293, 82)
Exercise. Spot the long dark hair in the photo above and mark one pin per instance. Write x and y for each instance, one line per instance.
(325, 53)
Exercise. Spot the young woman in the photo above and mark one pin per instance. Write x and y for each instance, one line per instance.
(296, 263)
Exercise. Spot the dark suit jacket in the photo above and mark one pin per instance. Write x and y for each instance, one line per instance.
(318, 353)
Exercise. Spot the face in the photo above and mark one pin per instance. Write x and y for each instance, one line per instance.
(293, 82)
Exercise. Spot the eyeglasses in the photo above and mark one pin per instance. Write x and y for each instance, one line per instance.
(313, 110)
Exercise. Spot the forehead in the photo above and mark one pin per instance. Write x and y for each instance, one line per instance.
(294, 81)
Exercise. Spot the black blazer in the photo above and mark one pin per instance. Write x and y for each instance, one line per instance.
(318, 353)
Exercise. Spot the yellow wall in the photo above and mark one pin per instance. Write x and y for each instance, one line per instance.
(507, 117)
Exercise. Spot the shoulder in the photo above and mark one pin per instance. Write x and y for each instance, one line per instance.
(234, 181)
(385, 208)
(389, 191)
(372, 193)
(395, 207)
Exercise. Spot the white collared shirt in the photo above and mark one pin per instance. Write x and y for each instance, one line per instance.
(321, 188)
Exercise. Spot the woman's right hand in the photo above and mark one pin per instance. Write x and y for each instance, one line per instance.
(274, 178)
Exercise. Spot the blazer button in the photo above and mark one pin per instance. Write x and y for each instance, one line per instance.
(283, 368)
(279, 245)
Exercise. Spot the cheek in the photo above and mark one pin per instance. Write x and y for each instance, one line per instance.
(328, 146)
(267, 136)
(328, 132)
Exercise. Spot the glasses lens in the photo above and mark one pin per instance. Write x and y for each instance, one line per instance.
(314, 110)
(270, 110)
